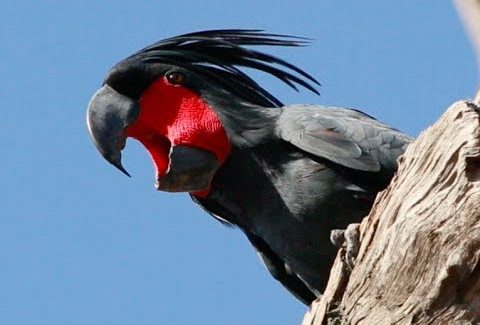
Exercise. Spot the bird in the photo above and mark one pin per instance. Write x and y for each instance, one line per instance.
(284, 175)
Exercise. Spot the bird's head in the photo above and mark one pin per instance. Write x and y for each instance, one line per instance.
(176, 96)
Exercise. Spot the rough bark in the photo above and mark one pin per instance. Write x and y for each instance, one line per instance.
(419, 260)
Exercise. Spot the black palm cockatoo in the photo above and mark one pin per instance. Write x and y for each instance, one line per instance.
(285, 175)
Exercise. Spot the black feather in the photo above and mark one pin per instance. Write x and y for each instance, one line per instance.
(217, 55)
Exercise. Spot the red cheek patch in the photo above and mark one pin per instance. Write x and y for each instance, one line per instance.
(173, 115)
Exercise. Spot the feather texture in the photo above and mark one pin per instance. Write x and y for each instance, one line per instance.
(218, 55)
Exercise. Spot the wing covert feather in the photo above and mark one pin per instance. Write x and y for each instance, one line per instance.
(347, 137)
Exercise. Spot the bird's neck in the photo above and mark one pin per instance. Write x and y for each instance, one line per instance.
(245, 185)
(246, 124)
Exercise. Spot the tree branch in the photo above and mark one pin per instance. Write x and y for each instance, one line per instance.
(419, 260)
(469, 12)
(420, 246)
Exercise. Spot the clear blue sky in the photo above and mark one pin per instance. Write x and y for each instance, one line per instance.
(82, 244)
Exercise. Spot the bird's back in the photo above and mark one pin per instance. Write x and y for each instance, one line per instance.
(293, 191)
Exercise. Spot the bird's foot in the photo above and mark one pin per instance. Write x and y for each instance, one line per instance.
(337, 237)
(349, 239)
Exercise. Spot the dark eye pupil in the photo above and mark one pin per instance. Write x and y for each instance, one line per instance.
(175, 78)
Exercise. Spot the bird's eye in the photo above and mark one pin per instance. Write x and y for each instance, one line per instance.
(175, 77)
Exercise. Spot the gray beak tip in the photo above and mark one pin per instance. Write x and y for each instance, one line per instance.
(121, 168)
(108, 114)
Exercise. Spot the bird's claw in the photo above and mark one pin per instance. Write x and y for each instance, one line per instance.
(337, 237)
(348, 239)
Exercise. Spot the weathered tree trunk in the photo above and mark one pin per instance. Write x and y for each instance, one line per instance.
(419, 261)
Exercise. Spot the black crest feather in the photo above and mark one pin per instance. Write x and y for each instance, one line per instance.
(218, 55)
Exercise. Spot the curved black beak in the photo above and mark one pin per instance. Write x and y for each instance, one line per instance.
(190, 170)
(108, 114)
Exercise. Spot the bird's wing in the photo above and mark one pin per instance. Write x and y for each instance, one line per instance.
(280, 271)
(274, 264)
(344, 136)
